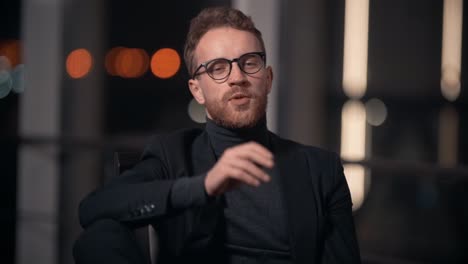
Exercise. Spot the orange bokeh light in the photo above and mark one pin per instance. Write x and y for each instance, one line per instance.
(11, 50)
(131, 63)
(165, 63)
(127, 62)
(79, 63)
(111, 60)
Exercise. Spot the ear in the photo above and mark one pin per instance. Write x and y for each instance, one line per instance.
(196, 91)
(269, 78)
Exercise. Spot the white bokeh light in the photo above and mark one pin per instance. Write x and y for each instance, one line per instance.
(356, 178)
(353, 131)
(17, 76)
(451, 49)
(5, 64)
(5, 83)
(356, 34)
(196, 111)
(376, 112)
(448, 145)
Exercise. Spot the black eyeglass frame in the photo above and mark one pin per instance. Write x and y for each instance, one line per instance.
(262, 54)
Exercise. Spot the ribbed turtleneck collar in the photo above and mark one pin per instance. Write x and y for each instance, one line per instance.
(222, 138)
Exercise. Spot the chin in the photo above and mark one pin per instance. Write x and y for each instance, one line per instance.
(242, 116)
(239, 119)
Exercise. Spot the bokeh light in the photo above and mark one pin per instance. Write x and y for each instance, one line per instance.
(196, 111)
(355, 51)
(127, 62)
(5, 83)
(79, 63)
(449, 143)
(12, 50)
(358, 182)
(450, 84)
(353, 148)
(110, 61)
(5, 64)
(353, 131)
(165, 63)
(131, 63)
(376, 112)
(17, 76)
(451, 49)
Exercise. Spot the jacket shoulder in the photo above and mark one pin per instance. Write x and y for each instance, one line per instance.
(177, 140)
(319, 154)
(176, 137)
(173, 148)
(325, 167)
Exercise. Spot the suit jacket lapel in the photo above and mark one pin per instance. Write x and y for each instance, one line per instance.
(297, 191)
(202, 154)
(206, 218)
(299, 200)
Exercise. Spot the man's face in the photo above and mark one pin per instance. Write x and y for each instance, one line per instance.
(239, 100)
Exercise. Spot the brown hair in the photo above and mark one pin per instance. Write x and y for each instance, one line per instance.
(215, 17)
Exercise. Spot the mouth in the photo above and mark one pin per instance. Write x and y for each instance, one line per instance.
(239, 98)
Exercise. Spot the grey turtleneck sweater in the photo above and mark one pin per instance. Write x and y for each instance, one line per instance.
(255, 217)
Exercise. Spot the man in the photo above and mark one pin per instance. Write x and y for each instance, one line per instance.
(233, 192)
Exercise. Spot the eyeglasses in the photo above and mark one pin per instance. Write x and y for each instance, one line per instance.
(219, 69)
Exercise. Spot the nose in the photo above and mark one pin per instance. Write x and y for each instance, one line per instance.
(237, 76)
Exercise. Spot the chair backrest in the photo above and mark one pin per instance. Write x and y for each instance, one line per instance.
(146, 236)
(124, 161)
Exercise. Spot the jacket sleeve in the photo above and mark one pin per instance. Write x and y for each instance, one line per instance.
(340, 244)
(136, 195)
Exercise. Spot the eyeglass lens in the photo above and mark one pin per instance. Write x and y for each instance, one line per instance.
(221, 68)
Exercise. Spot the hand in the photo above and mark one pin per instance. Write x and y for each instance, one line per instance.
(240, 164)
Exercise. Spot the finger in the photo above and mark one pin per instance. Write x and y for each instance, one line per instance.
(233, 184)
(244, 177)
(256, 157)
(224, 187)
(259, 149)
(252, 169)
(251, 147)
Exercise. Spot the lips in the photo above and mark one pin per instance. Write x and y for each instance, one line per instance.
(239, 99)
(239, 96)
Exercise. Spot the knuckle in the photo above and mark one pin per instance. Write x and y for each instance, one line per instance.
(238, 174)
(229, 152)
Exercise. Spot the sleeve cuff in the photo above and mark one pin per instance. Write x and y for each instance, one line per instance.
(189, 192)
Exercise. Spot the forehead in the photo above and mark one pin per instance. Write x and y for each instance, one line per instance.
(226, 42)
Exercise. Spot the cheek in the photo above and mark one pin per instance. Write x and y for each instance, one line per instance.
(263, 86)
(212, 94)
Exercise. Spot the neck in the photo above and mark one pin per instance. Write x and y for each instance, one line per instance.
(222, 137)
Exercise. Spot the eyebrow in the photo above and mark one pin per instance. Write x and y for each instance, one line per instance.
(231, 58)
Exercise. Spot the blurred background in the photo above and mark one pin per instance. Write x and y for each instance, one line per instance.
(380, 82)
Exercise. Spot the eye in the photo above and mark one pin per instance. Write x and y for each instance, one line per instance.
(251, 61)
(218, 66)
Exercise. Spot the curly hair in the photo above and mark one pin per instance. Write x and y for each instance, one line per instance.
(216, 17)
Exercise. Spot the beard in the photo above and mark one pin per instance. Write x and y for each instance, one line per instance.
(238, 116)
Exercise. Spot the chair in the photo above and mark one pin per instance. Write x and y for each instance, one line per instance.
(146, 236)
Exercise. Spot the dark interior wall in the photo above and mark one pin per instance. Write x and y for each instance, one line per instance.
(414, 209)
(100, 111)
(404, 60)
(149, 104)
(405, 44)
(304, 62)
(411, 213)
(10, 30)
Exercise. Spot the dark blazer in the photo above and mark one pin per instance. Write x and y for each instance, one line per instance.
(315, 192)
